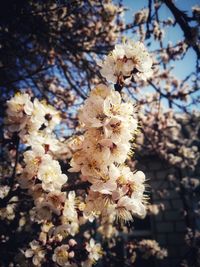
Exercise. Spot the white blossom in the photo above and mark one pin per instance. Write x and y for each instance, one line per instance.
(36, 252)
(19, 109)
(50, 174)
(94, 249)
(151, 248)
(61, 256)
(4, 189)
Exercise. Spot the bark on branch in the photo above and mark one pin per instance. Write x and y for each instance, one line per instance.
(72, 187)
(182, 20)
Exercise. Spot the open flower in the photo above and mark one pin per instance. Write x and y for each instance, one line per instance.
(36, 252)
(108, 183)
(43, 115)
(19, 109)
(95, 250)
(61, 256)
(50, 174)
(92, 114)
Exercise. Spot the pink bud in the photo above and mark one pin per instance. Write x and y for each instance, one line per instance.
(71, 254)
(72, 242)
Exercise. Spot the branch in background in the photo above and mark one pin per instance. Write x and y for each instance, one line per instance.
(148, 34)
(81, 186)
(11, 193)
(182, 20)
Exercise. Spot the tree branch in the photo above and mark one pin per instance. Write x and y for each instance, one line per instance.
(81, 185)
(182, 20)
(11, 193)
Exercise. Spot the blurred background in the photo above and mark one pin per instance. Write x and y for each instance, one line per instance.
(51, 49)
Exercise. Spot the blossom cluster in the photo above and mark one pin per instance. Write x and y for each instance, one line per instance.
(168, 132)
(8, 212)
(27, 117)
(109, 125)
(141, 16)
(109, 122)
(151, 248)
(65, 255)
(42, 176)
(164, 134)
(148, 248)
(126, 61)
(107, 227)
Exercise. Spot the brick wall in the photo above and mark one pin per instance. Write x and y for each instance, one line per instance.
(168, 227)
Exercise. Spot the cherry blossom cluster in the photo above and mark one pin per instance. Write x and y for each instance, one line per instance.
(148, 248)
(27, 117)
(109, 125)
(55, 244)
(100, 153)
(126, 61)
(151, 248)
(35, 121)
(168, 133)
(42, 176)
(8, 212)
(107, 227)
(109, 122)
(141, 16)
(65, 254)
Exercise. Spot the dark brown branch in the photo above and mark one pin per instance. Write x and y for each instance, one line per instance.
(64, 70)
(148, 34)
(81, 186)
(11, 193)
(182, 20)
